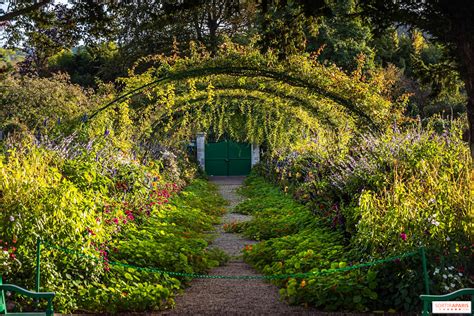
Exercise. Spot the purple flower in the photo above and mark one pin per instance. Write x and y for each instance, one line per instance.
(107, 132)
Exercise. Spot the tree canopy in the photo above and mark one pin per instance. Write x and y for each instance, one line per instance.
(425, 46)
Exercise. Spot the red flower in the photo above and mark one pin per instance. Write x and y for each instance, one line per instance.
(403, 236)
(90, 231)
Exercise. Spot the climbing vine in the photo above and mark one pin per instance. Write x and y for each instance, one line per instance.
(250, 97)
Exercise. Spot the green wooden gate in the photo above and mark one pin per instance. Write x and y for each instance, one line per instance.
(228, 158)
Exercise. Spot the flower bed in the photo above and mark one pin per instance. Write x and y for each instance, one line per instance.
(384, 195)
(114, 209)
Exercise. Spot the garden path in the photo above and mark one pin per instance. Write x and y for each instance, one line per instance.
(232, 297)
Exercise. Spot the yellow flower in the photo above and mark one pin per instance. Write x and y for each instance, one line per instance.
(303, 283)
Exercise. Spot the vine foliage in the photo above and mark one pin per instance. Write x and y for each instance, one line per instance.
(248, 96)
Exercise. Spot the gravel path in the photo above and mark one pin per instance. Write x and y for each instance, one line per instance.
(232, 297)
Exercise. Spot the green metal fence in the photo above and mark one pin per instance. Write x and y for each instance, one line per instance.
(241, 277)
(426, 298)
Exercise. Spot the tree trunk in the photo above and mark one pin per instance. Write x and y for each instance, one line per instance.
(212, 25)
(466, 58)
(470, 118)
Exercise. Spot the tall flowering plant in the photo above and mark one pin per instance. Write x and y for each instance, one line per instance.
(8, 260)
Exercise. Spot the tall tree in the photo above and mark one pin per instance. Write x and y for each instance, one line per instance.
(451, 22)
(155, 27)
(146, 27)
(345, 37)
(47, 27)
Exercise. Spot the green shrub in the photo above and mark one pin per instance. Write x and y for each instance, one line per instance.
(102, 204)
(44, 104)
(295, 242)
(390, 194)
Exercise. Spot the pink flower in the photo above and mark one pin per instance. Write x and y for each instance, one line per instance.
(130, 217)
(403, 236)
(115, 220)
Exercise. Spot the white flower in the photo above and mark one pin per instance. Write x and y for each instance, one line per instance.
(436, 271)
(448, 239)
(435, 222)
(445, 276)
(12, 218)
(450, 275)
(432, 201)
(460, 274)
(452, 285)
(5, 253)
(446, 288)
(451, 267)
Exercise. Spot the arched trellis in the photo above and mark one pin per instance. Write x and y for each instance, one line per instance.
(279, 76)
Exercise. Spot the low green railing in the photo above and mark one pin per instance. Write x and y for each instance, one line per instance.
(206, 276)
(426, 298)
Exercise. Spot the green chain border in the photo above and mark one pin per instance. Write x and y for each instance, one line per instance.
(236, 277)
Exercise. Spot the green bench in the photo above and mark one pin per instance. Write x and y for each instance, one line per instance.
(35, 295)
(428, 299)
